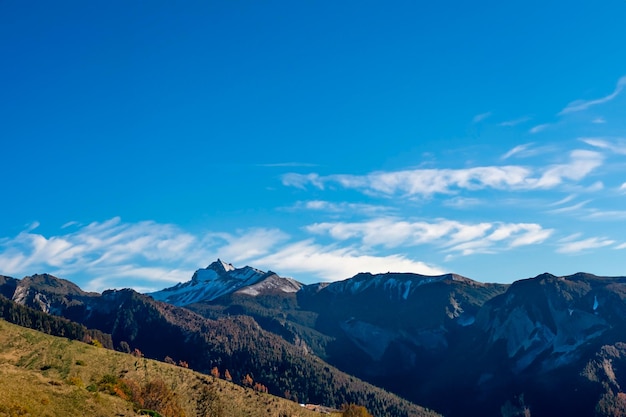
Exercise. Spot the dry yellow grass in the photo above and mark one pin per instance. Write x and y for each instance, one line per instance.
(42, 375)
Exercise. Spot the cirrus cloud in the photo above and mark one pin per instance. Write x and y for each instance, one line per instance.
(575, 246)
(112, 254)
(580, 105)
(148, 256)
(427, 182)
(331, 263)
(449, 235)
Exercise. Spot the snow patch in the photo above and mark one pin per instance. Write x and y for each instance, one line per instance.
(218, 279)
(273, 283)
(406, 290)
(395, 287)
(227, 267)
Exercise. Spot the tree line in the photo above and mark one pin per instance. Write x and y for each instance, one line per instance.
(53, 325)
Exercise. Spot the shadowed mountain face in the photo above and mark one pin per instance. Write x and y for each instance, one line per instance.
(487, 346)
(236, 343)
(390, 325)
(549, 345)
(538, 336)
(544, 321)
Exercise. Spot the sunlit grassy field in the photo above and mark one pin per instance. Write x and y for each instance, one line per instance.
(42, 375)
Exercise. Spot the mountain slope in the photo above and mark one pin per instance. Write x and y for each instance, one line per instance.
(486, 345)
(549, 345)
(49, 376)
(47, 293)
(555, 316)
(384, 328)
(35, 319)
(236, 343)
(537, 337)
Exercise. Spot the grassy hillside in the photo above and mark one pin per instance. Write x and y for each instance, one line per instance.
(42, 375)
(267, 362)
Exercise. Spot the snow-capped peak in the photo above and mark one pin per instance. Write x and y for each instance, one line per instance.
(219, 264)
(218, 279)
(216, 270)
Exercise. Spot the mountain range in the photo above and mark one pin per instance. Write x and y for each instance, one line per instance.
(541, 346)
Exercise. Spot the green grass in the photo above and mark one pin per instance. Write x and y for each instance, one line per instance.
(42, 375)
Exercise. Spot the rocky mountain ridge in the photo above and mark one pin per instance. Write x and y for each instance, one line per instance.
(491, 347)
(237, 343)
(459, 335)
(221, 278)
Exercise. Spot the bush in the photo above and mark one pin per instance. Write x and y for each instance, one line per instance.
(209, 403)
(353, 410)
(149, 413)
(107, 384)
(76, 381)
(16, 410)
(157, 396)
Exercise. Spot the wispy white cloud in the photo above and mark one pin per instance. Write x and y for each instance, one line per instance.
(340, 207)
(480, 117)
(248, 244)
(580, 105)
(100, 249)
(32, 226)
(573, 208)
(515, 122)
(570, 238)
(582, 162)
(539, 128)
(528, 150)
(531, 234)
(516, 150)
(564, 200)
(576, 246)
(301, 181)
(599, 120)
(582, 210)
(596, 186)
(462, 202)
(450, 235)
(148, 256)
(615, 145)
(427, 182)
(116, 254)
(607, 215)
(331, 263)
(422, 181)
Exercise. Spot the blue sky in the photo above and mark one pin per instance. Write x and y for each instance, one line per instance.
(143, 140)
